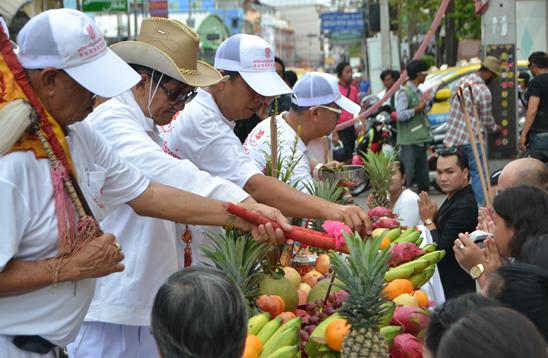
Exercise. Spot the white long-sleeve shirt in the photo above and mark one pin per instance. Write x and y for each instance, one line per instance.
(150, 245)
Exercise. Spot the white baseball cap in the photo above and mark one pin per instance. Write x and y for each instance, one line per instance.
(69, 40)
(253, 58)
(318, 89)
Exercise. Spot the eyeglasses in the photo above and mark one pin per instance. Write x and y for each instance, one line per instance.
(331, 109)
(184, 95)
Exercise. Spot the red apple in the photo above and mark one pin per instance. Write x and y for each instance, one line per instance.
(312, 277)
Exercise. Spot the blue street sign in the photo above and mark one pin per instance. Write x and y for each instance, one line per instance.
(342, 21)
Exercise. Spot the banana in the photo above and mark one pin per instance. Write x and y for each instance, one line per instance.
(269, 329)
(418, 278)
(413, 237)
(387, 310)
(318, 335)
(429, 248)
(392, 234)
(398, 272)
(407, 232)
(433, 257)
(292, 323)
(428, 273)
(389, 332)
(285, 352)
(257, 322)
(419, 241)
(287, 337)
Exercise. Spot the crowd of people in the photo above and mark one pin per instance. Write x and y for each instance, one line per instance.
(145, 138)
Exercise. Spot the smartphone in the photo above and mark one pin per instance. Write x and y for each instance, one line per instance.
(479, 236)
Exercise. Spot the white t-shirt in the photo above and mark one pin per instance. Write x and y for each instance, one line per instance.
(203, 135)
(150, 245)
(257, 145)
(407, 208)
(29, 229)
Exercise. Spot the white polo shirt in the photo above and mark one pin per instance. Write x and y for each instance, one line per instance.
(202, 134)
(150, 245)
(257, 146)
(29, 229)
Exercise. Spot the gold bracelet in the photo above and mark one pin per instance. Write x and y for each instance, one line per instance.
(230, 222)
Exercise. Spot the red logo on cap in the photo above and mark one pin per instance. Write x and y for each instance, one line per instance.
(267, 52)
(91, 33)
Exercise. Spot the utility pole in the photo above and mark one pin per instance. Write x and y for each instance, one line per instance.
(385, 34)
(451, 45)
(365, 33)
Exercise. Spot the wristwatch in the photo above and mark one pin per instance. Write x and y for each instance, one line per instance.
(477, 271)
(428, 222)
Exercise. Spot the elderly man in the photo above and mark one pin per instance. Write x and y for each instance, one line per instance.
(315, 108)
(46, 293)
(203, 131)
(120, 310)
(457, 135)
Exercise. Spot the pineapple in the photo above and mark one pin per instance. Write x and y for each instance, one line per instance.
(242, 259)
(379, 167)
(327, 190)
(362, 277)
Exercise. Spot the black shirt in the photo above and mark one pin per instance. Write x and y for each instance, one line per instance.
(538, 87)
(455, 215)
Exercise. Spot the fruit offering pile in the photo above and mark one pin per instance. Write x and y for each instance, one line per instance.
(367, 303)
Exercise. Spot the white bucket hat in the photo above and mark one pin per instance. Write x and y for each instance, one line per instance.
(318, 89)
(253, 58)
(69, 40)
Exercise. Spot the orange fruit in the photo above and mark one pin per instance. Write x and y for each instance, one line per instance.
(422, 298)
(252, 341)
(250, 353)
(397, 287)
(385, 243)
(335, 333)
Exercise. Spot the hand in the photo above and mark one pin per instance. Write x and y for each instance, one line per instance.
(485, 220)
(427, 207)
(467, 253)
(421, 106)
(522, 139)
(98, 257)
(353, 216)
(492, 258)
(264, 233)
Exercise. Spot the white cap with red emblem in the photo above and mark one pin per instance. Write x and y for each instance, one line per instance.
(253, 58)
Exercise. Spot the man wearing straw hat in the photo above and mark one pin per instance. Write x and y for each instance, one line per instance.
(165, 55)
(314, 110)
(203, 132)
(457, 133)
(48, 264)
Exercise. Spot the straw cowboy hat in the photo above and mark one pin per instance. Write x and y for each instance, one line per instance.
(493, 64)
(170, 47)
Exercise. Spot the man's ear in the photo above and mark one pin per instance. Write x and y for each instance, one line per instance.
(48, 78)
(467, 173)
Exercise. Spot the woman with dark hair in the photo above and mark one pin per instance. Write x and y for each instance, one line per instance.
(199, 312)
(523, 287)
(348, 135)
(535, 251)
(403, 202)
(492, 332)
(519, 213)
(446, 314)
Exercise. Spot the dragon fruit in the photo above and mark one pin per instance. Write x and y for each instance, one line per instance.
(413, 320)
(380, 211)
(386, 223)
(406, 345)
(403, 252)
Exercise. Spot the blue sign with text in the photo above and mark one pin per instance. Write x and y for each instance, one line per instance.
(342, 21)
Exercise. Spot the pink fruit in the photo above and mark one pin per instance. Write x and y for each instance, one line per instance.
(412, 319)
(302, 297)
(386, 223)
(403, 252)
(323, 264)
(380, 211)
(312, 277)
(406, 345)
(305, 287)
(286, 316)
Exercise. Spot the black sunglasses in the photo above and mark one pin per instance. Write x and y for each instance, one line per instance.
(447, 151)
(177, 96)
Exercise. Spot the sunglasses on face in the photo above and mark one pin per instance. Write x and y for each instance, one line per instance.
(184, 95)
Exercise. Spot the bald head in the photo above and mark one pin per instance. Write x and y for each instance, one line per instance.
(524, 171)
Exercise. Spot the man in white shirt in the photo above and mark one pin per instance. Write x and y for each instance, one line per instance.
(203, 132)
(315, 108)
(118, 321)
(45, 294)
